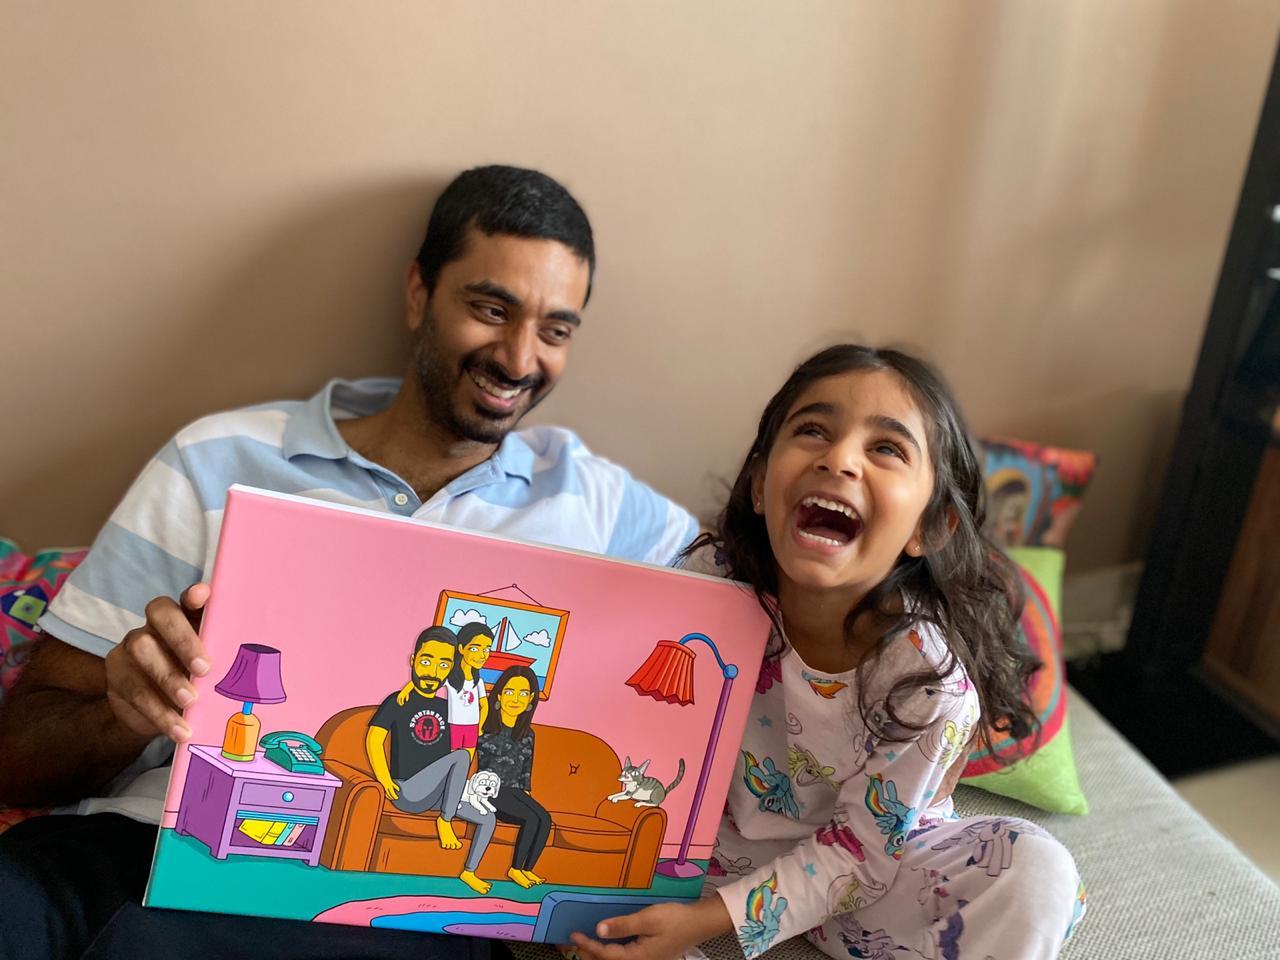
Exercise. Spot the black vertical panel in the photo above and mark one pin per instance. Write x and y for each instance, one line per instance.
(1152, 690)
(1221, 437)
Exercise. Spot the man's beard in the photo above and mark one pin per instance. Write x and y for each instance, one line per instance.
(439, 384)
(428, 684)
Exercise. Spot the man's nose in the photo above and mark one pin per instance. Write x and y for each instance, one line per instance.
(517, 352)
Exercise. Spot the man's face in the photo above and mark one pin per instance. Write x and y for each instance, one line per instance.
(430, 665)
(493, 338)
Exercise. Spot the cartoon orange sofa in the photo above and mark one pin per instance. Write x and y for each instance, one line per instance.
(593, 842)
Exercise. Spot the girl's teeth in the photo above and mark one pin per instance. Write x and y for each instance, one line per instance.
(817, 539)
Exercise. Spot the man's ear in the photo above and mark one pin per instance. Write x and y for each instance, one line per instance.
(415, 296)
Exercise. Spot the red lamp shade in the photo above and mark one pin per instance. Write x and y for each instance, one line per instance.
(667, 674)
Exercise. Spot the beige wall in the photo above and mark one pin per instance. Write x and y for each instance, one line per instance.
(212, 204)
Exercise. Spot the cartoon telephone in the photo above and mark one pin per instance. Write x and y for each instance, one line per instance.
(296, 752)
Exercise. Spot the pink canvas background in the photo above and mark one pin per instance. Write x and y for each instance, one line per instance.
(343, 596)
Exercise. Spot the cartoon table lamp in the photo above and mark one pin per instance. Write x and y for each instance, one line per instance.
(254, 677)
(668, 675)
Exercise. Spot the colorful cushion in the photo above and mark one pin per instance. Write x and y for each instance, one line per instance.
(1033, 491)
(27, 584)
(1047, 777)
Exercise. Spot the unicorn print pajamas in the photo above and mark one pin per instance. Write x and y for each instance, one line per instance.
(833, 834)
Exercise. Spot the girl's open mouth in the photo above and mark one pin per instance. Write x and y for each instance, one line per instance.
(827, 522)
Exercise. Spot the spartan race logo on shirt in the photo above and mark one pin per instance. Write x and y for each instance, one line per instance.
(426, 726)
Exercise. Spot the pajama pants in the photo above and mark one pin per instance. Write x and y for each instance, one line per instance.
(966, 889)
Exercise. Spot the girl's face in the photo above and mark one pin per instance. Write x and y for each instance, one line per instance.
(845, 484)
(514, 698)
(476, 651)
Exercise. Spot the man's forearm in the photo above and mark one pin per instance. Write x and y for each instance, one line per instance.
(57, 746)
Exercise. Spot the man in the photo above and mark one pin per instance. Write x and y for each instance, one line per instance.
(425, 772)
(493, 301)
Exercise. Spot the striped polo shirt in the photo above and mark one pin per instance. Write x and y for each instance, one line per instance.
(541, 484)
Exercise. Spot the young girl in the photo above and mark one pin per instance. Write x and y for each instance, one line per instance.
(857, 519)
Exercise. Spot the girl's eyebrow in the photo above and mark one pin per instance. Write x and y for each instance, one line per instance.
(817, 406)
(895, 426)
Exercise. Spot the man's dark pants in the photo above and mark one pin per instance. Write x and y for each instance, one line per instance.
(72, 887)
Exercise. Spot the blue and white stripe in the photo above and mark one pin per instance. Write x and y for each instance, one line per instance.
(542, 484)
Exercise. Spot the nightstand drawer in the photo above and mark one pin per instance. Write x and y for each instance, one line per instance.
(276, 795)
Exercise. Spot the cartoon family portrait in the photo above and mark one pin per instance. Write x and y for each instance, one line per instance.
(458, 759)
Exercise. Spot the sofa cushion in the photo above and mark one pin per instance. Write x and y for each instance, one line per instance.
(579, 832)
(1033, 491)
(27, 584)
(1046, 775)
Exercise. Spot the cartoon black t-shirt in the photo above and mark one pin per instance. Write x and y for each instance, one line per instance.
(419, 732)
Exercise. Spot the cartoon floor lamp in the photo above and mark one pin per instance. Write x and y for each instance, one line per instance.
(668, 675)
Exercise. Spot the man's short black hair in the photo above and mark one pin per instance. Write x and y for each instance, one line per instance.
(503, 200)
(442, 634)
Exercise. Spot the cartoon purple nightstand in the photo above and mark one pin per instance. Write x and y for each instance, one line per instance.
(255, 807)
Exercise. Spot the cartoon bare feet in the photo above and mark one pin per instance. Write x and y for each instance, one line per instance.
(519, 877)
(532, 877)
(448, 839)
(474, 882)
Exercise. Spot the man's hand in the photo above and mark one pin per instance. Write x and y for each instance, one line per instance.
(148, 672)
(662, 932)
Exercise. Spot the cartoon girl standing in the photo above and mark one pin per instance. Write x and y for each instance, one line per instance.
(464, 688)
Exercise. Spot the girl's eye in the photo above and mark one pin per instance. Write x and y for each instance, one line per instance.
(810, 430)
(892, 449)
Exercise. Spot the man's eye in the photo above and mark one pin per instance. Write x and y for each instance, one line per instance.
(556, 334)
(490, 311)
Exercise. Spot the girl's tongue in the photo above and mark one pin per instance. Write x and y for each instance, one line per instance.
(832, 524)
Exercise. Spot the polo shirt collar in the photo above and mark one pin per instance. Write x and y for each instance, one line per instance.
(311, 429)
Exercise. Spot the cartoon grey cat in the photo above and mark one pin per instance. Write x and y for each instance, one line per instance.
(644, 790)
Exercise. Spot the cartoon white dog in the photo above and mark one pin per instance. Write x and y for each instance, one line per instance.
(480, 789)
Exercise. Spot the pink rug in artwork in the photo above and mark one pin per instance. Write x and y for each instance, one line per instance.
(471, 916)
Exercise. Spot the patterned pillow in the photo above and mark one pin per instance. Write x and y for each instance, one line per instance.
(1046, 778)
(27, 584)
(1033, 491)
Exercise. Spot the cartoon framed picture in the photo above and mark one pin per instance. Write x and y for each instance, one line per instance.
(524, 632)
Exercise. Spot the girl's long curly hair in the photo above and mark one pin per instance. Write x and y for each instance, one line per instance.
(962, 584)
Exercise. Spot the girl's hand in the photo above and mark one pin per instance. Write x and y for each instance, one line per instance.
(662, 932)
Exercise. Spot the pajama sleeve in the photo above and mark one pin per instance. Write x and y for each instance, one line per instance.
(849, 863)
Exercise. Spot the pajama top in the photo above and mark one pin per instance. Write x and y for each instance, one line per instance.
(819, 810)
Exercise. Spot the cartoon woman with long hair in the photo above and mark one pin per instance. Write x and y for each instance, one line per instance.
(506, 748)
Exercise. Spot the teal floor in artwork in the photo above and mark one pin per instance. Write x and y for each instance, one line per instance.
(186, 877)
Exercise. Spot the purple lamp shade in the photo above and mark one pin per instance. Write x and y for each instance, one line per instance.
(254, 677)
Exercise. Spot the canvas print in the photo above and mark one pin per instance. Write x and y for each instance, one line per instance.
(418, 727)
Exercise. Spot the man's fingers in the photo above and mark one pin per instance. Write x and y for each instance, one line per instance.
(132, 697)
(168, 622)
(193, 601)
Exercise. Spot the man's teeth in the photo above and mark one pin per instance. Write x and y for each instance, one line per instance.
(489, 387)
(817, 539)
(834, 505)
